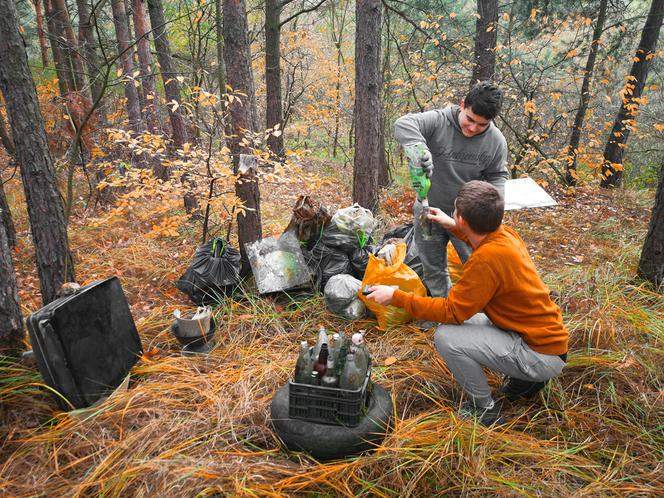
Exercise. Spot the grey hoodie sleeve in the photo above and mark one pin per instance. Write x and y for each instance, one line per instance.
(496, 172)
(416, 128)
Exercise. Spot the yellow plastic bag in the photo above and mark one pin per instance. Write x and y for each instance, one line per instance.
(380, 273)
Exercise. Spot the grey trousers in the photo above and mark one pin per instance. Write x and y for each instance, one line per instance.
(477, 343)
(433, 254)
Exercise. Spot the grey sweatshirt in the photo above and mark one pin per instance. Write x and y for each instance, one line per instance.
(457, 159)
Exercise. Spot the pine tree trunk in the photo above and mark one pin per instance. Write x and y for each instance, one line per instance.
(11, 322)
(6, 219)
(274, 104)
(168, 74)
(70, 45)
(221, 63)
(145, 66)
(127, 64)
(367, 103)
(60, 61)
(615, 146)
(43, 45)
(236, 50)
(651, 263)
(47, 222)
(573, 149)
(88, 43)
(486, 32)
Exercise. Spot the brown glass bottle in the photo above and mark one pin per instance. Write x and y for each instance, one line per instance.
(321, 364)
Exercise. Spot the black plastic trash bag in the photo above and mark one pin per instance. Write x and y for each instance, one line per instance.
(359, 258)
(214, 272)
(327, 262)
(407, 233)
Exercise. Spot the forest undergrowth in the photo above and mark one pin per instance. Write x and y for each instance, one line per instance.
(200, 426)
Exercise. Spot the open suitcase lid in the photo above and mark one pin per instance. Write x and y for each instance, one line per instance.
(86, 343)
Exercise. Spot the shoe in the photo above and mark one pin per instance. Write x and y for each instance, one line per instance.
(425, 324)
(485, 416)
(514, 389)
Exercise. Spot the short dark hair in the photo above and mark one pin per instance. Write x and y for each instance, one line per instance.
(481, 206)
(485, 99)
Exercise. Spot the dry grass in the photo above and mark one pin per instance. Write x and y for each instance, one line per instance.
(200, 426)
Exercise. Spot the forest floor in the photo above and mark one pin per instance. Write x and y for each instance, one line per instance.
(200, 426)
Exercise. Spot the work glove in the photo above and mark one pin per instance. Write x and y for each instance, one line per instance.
(426, 162)
(420, 152)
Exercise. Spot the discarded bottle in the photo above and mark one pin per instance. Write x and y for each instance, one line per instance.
(341, 356)
(304, 365)
(351, 378)
(425, 222)
(314, 380)
(329, 379)
(361, 353)
(335, 347)
(321, 364)
(322, 339)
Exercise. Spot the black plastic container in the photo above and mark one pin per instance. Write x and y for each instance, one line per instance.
(329, 405)
(86, 343)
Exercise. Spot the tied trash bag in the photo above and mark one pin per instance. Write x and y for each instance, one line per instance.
(341, 297)
(397, 274)
(354, 219)
(214, 272)
(325, 262)
(355, 245)
(407, 233)
(308, 221)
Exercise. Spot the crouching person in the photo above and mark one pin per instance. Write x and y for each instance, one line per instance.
(499, 314)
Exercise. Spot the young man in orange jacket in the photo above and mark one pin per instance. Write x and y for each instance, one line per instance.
(499, 314)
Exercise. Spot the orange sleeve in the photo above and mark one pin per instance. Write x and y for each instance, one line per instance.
(477, 285)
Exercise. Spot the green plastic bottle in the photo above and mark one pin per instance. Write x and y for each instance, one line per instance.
(421, 184)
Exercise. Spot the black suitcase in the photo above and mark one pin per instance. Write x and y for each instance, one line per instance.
(86, 343)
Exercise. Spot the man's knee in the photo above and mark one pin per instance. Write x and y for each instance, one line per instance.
(448, 340)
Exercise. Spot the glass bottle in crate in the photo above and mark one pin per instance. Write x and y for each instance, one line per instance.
(329, 379)
(334, 347)
(340, 359)
(304, 364)
(321, 364)
(352, 377)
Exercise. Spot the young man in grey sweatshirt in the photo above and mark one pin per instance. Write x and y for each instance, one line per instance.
(463, 144)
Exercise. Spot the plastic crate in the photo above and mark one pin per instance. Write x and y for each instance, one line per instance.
(328, 405)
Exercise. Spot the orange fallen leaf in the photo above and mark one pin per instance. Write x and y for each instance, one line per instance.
(245, 317)
(390, 361)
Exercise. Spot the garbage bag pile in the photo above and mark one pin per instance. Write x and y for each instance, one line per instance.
(344, 246)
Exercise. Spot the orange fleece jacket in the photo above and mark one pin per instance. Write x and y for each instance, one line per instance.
(500, 279)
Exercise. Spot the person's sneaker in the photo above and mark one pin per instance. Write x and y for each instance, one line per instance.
(425, 324)
(513, 389)
(485, 416)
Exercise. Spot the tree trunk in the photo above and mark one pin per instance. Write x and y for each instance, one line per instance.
(486, 31)
(5, 137)
(43, 45)
(573, 149)
(6, 218)
(168, 74)
(70, 45)
(60, 61)
(11, 322)
(145, 66)
(47, 222)
(273, 74)
(88, 43)
(615, 146)
(221, 63)
(126, 63)
(236, 50)
(367, 103)
(651, 263)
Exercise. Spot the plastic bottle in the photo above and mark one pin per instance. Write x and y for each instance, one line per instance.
(361, 352)
(322, 339)
(330, 379)
(304, 365)
(351, 378)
